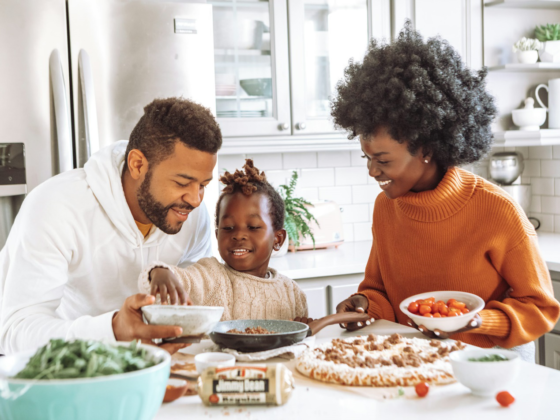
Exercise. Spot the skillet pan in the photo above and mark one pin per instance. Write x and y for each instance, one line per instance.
(286, 332)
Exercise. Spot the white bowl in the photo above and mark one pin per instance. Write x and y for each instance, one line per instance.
(529, 119)
(206, 360)
(485, 379)
(474, 304)
(194, 320)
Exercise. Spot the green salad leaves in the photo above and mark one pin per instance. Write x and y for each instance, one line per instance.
(60, 359)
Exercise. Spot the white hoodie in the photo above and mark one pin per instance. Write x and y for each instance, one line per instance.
(74, 255)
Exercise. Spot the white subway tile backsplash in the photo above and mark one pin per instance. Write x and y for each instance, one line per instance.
(316, 177)
(365, 193)
(351, 176)
(309, 194)
(230, 163)
(362, 232)
(547, 221)
(267, 161)
(542, 186)
(341, 195)
(371, 207)
(300, 160)
(556, 224)
(333, 159)
(524, 151)
(532, 168)
(535, 204)
(357, 159)
(348, 232)
(277, 178)
(540, 152)
(550, 168)
(557, 187)
(550, 205)
(555, 152)
(355, 213)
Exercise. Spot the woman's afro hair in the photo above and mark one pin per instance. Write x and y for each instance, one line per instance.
(249, 182)
(423, 94)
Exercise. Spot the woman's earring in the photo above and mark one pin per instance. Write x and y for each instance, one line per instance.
(426, 161)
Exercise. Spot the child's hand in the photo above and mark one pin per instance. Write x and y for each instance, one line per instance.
(303, 319)
(164, 282)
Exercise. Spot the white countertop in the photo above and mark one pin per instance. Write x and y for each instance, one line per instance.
(536, 390)
(351, 258)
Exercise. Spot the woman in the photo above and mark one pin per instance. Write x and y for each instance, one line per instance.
(420, 114)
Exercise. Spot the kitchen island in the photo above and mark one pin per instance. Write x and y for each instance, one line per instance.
(536, 389)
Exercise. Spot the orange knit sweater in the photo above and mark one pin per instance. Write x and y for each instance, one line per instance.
(465, 235)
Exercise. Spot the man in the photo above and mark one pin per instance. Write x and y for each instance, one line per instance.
(82, 238)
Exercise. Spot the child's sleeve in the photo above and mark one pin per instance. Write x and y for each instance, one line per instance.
(301, 309)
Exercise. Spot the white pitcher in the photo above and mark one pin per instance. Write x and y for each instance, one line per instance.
(553, 109)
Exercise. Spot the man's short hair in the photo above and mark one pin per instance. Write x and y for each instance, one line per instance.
(166, 121)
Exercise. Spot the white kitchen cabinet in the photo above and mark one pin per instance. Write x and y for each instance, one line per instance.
(457, 21)
(552, 351)
(556, 288)
(316, 301)
(337, 293)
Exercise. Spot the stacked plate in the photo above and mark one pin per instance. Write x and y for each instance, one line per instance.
(226, 90)
(241, 114)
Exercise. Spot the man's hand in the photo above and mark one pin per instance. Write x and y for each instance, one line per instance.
(128, 324)
(476, 322)
(164, 282)
(356, 303)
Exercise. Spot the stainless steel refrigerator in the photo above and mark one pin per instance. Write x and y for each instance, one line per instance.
(76, 74)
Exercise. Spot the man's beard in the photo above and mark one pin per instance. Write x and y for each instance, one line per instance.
(154, 210)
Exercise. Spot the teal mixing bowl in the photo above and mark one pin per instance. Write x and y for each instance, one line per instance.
(126, 396)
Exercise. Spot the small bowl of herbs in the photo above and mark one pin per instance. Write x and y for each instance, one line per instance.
(84, 379)
(485, 371)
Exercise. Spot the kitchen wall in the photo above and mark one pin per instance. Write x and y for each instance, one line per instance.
(340, 176)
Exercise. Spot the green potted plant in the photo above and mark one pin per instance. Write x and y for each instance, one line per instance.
(298, 216)
(549, 35)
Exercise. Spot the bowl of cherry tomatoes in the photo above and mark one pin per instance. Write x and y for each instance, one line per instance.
(444, 310)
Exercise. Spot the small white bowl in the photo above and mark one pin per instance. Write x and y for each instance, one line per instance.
(474, 304)
(529, 119)
(485, 379)
(194, 320)
(206, 360)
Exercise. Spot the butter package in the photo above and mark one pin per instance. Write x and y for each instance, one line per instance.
(244, 385)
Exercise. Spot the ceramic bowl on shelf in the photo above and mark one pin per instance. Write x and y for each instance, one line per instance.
(529, 118)
(257, 87)
(484, 378)
(473, 303)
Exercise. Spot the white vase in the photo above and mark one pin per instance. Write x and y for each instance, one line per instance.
(283, 249)
(550, 52)
(527, 57)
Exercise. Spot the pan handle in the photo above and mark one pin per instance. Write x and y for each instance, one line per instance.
(339, 318)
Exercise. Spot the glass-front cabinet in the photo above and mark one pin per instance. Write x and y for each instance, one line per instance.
(277, 62)
(324, 36)
(251, 67)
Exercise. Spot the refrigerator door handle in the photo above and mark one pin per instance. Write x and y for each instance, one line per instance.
(89, 135)
(61, 114)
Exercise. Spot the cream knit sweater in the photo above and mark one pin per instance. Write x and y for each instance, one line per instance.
(211, 283)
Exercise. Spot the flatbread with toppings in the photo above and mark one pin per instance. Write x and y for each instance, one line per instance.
(380, 361)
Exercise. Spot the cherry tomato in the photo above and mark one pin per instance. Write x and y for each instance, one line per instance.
(424, 309)
(428, 315)
(428, 303)
(443, 309)
(422, 389)
(465, 310)
(420, 301)
(413, 307)
(437, 315)
(450, 301)
(432, 299)
(458, 305)
(452, 314)
(504, 398)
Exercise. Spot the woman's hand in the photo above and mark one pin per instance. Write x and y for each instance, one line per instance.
(476, 322)
(356, 303)
(164, 282)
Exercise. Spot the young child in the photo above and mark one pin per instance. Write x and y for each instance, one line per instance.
(249, 225)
